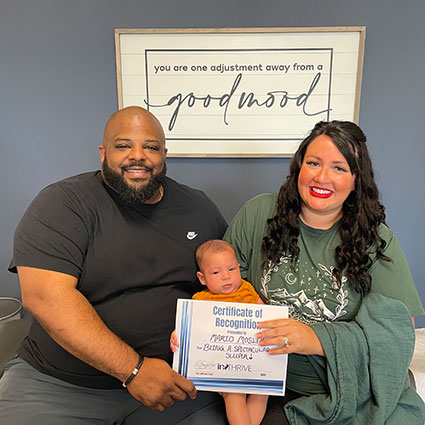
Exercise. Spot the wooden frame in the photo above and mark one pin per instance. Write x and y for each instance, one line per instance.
(240, 92)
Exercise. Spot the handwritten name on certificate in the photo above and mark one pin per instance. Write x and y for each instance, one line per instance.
(219, 351)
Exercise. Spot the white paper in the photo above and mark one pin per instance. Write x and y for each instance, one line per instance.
(219, 351)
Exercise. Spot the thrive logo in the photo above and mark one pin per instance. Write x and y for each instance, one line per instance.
(229, 367)
(223, 366)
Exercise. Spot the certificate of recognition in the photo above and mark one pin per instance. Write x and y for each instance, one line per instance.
(219, 351)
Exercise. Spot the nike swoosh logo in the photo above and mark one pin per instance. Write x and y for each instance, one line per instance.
(191, 235)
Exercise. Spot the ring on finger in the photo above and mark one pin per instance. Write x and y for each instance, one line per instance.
(285, 341)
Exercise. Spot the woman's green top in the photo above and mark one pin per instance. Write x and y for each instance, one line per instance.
(307, 287)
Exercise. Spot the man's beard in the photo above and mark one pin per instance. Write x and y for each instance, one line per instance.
(133, 196)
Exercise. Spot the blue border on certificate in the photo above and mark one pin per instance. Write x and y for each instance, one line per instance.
(271, 387)
(185, 329)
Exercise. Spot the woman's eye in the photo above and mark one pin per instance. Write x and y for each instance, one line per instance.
(313, 163)
(341, 169)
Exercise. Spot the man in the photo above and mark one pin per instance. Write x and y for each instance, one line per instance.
(102, 258)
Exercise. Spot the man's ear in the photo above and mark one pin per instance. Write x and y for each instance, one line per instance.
(101, 149)
(201, 278)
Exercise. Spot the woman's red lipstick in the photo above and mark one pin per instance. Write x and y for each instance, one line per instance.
(319, 192)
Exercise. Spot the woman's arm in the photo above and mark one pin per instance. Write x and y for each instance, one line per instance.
(289, 336)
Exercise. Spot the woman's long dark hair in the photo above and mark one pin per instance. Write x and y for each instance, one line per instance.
(362, 211)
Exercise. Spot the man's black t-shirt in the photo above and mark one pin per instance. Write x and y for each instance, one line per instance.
(131, 263)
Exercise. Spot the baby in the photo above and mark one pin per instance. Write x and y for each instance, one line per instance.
(219, 272)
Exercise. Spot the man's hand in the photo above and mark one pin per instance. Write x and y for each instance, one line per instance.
(68, 317)
(157, 385)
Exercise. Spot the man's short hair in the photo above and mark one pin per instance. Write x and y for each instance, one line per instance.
(210, 247)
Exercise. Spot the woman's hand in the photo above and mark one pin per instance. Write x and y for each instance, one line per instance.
(289, 336)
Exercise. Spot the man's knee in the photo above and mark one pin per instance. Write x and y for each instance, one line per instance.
(207, 409)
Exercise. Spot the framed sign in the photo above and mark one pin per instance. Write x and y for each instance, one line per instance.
(241, 92)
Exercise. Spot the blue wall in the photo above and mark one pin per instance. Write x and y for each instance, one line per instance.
(58, 86)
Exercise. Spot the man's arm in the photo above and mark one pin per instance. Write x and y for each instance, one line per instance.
(54, 301)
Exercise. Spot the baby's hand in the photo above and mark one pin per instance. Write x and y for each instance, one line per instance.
(174, 343)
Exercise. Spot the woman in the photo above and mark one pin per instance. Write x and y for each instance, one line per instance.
(321, 247)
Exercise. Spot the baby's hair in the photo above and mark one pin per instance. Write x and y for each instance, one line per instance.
(211, 247)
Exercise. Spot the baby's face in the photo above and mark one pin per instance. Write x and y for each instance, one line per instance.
(220, 272)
